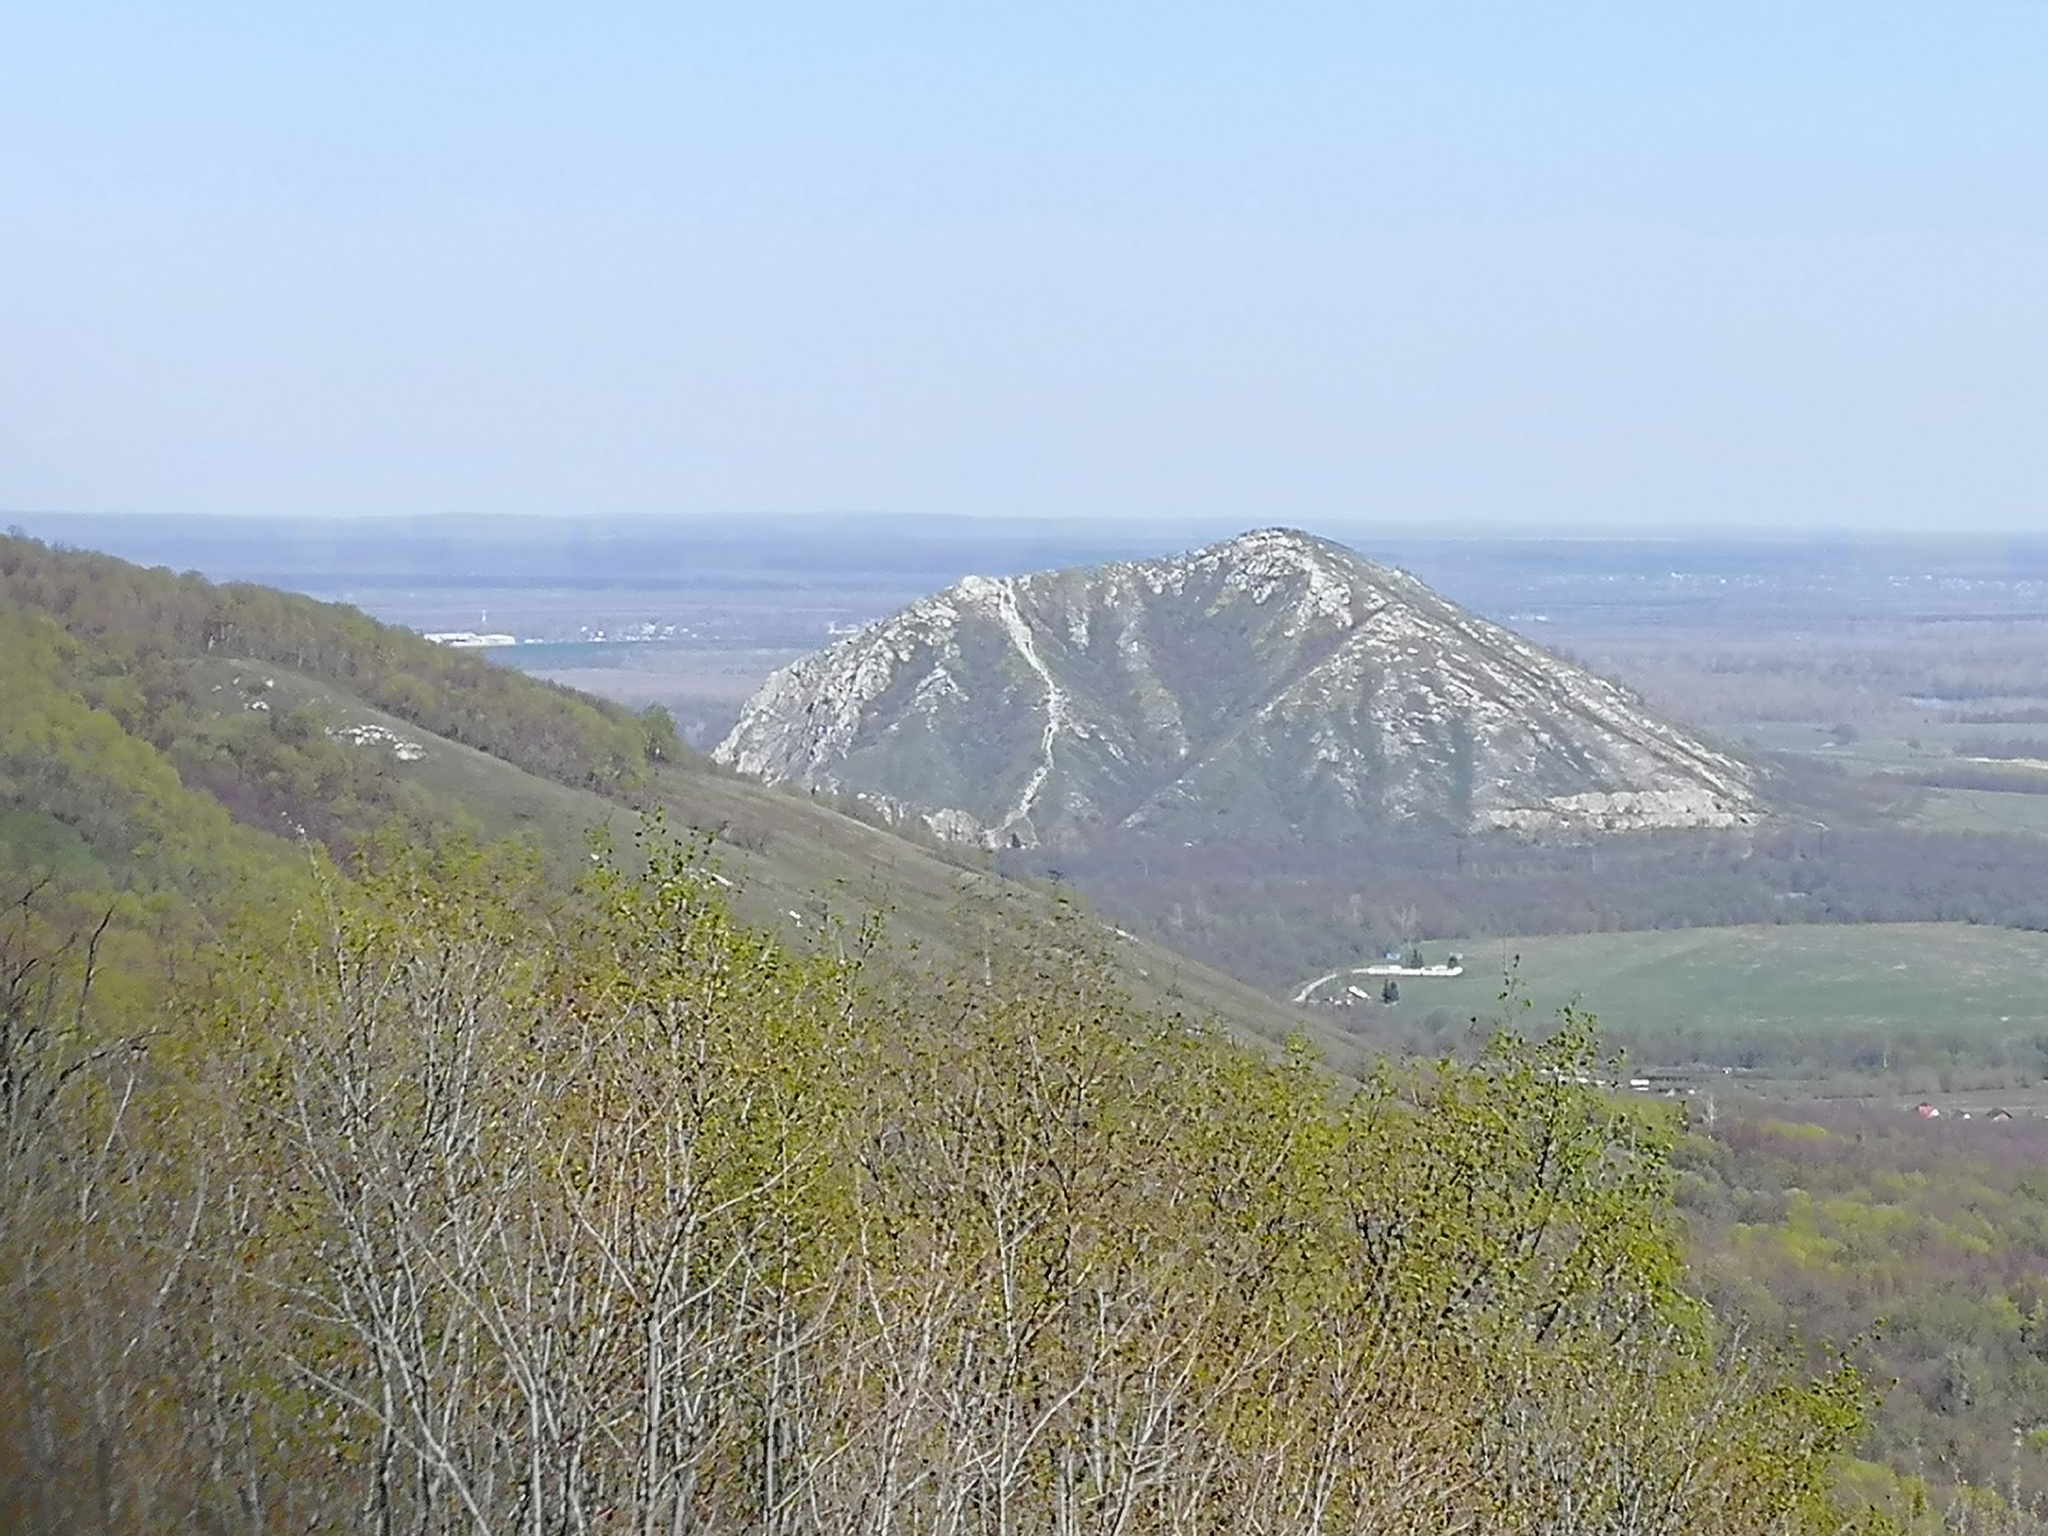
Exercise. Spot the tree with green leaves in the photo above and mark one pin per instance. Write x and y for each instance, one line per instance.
(468, 1207)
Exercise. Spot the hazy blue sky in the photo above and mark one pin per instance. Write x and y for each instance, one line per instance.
(1623, 264)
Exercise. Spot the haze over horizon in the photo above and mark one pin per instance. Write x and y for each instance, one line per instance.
(1476, 264)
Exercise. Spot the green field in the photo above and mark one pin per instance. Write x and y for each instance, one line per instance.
(1980, 810)
(1933, 1005)
(1905, 750)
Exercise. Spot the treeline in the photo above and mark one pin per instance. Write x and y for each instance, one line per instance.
(1829, 1060)
(2004, 781)
(2011, 714)
(2003, 746)
(137, 620)
(471, 1209)
(1816, 666)
(1275, 913)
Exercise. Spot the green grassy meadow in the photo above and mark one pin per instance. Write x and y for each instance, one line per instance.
(1980, 810)
(1919, 1007)
(1902, 750)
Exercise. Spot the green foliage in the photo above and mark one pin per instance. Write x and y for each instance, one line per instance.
(125, 752)
(134, 620)
(440, 1197)
(1920, 1247)
(663, 744)
(99, 816)
(118, 654)
(1811, 1009)
(467, 1207)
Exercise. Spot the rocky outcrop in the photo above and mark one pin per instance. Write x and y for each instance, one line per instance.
(1273, 683)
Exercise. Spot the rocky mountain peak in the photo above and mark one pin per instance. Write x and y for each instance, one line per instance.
(1273, 683)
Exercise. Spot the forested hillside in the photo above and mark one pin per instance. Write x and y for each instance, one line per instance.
(357, 1169)
(151, 708)
(162, 773)
(465, 1209)
(137, 622)
(1920, 1248)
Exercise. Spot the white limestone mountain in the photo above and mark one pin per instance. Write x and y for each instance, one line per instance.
(1274, 683)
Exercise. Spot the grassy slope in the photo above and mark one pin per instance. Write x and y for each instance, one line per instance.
(792, 859)
(496, 798)
(789, 853)
(145, 678)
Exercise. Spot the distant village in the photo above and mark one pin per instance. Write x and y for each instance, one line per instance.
(1388, 971)
(469, 639)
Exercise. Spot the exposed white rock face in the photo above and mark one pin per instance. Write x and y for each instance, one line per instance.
(1627, 810)
(1273, 682)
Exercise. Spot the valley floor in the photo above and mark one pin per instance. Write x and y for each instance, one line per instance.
(1951, 1013)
